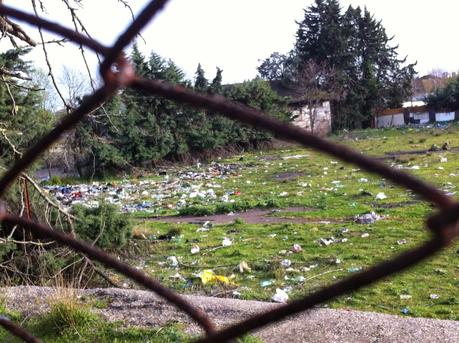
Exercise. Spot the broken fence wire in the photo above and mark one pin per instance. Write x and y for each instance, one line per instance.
(117, 73)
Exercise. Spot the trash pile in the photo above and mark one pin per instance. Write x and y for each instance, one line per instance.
(172, 191)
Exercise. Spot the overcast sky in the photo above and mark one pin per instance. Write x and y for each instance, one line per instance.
(236, 34)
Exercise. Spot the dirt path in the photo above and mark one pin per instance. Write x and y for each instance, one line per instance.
(141, 308)
(253, 216)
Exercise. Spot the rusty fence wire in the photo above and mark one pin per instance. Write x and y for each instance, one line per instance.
(117, 73)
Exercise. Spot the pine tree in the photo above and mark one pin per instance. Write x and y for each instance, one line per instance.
(355, 46)
(200, 82)
(23, 120)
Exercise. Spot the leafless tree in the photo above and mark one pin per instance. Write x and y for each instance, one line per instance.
(315, 84)
(75, 85)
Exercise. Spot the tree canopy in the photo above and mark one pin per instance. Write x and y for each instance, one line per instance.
(136, 129)
(353, 44)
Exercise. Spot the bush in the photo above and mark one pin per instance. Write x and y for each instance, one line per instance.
(103, 225)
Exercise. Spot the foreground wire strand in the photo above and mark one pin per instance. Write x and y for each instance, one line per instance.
(111, 262)
(118, 73)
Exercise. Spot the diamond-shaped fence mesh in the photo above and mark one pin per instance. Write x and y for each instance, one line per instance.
(117, 73)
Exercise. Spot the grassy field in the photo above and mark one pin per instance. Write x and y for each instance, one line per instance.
(257, 258)
(333, 193)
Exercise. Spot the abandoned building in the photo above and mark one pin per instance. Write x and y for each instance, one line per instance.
(313, 116)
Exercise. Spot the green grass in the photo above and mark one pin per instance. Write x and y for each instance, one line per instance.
(69, 322)
(335, 192)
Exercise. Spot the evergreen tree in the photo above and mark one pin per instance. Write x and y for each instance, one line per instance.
(216, 85)
(137, 129)
(200, 82)
(357, 49)
(23, 120)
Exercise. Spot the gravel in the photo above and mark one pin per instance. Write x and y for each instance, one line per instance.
(141, 308)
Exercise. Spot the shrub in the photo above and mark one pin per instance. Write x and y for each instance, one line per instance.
(103, 225)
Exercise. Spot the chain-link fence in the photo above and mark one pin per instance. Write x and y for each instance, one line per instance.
(117, 73)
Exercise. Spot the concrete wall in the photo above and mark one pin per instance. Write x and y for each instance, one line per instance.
(444, 116)
(397, 119)
(392, 120)
(321, 122)
(422, 117)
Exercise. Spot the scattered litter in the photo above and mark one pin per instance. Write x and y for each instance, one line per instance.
(381, 196)
(294, 157)
(195, 250)
(149, 195)
(286, 263)
(226, 242)
(283, 194)
(405, 310)
(173, 261)
(443, 159)
(327, 241)
(299, 279)
(402, 241)
(244, 267)
(354, 269)
(296, 248)
(363, 180)
(365, 235)
(280, 297)
(209, 277)
(434, 296)
(207, 225)
(177, 276)
(237, 294)
(405, 296)
(337, 261)
(368, 218)
(415, 167)
(266, 283)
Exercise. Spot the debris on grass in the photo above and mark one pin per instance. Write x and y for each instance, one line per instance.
(209, 277)
(367, 218)
(402, 241)
(280, 297)
(405, 296)
(354, 269)
(173, 261)
(286, 263)
(381, 196)
(295, 157)
(327, 241)
(296, 248)
(195, 250)
(172, 192)
(266, 283)
(434, 296)
(244, 267)
(405, 310)
(226, 242)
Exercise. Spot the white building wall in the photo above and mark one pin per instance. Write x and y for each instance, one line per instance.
(390, 120)
(322, 122)
(444, 116)
(422, 117)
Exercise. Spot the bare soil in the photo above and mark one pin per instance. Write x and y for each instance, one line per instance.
(253, 216)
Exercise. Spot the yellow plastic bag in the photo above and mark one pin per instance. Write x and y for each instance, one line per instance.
(209, 277)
